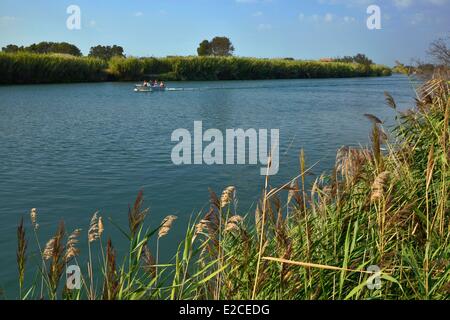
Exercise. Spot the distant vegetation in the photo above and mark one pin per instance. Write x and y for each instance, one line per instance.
(359, 58)
(438, 51)
(25, 67)
(50, 62)
(234, 68)
(219, 46)
(106, 52)
(45, 47)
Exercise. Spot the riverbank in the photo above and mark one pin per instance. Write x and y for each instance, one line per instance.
(24, 68)
(376, 211)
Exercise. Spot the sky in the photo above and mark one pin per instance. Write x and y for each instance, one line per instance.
(301, 29)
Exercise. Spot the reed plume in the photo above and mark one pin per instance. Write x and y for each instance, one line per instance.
(71, 249)
(234, 224)
(149, 261)
(33, 218)
(93, 232)
(100, 227)
(111, 285)
(22, 244)
(54, 250)
(166, 225)
(227, 196)
(135, 214)
(379, 186)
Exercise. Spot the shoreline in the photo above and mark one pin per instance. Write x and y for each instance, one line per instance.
(30, 68)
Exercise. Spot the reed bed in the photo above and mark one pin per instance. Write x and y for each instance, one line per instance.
(377, 210)
(237, 68)
(23, 67)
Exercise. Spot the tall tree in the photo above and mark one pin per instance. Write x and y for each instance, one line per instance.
(106, 52)
(204, 49)
(12, 48)
(440, 51)
(46, 47)
(54, 47)
(221, 46)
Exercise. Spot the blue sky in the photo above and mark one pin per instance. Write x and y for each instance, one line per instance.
(304, 29)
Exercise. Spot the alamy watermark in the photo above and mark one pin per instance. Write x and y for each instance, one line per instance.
(191, 149)
(374, 281)
(374, 20)
(73, 22)
(73, 277)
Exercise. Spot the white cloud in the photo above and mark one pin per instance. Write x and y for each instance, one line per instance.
(138, 14)
(257, 14)
(264, 27)
(92, 23)
(328, 17)
(301, 16)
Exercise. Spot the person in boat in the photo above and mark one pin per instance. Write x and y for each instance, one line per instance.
(155, 83)
(145, 83)
(162, 85)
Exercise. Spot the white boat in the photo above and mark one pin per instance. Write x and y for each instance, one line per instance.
(142, 88)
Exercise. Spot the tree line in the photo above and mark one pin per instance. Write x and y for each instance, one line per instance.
(218, 46)
(99, 51)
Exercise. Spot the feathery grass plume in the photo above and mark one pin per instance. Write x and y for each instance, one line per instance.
(33, 218)
(71, 249)
(149, 261)
(48, 250)
(56, 247)
(101, 228)
(234, 224)
(135, 214)
(111, 285)
(350, 162)
(22, 244)
(379, 186)
(93, 232)
(214, 201)
(166, 225)
(199, 227)
(376, 146)
(390, 100)
(373, 118)
(227, 196)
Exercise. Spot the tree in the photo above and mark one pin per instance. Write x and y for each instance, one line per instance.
(106, 52)
(440, 51)
(204, 49)
(219, 46)
(54, 47)
(12, 48)
(362, 59)
(359, 58)
(45, 47)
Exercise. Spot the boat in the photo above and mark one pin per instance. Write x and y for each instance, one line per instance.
(141, 88)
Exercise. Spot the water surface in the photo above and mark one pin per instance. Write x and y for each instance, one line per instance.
(72, 149)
